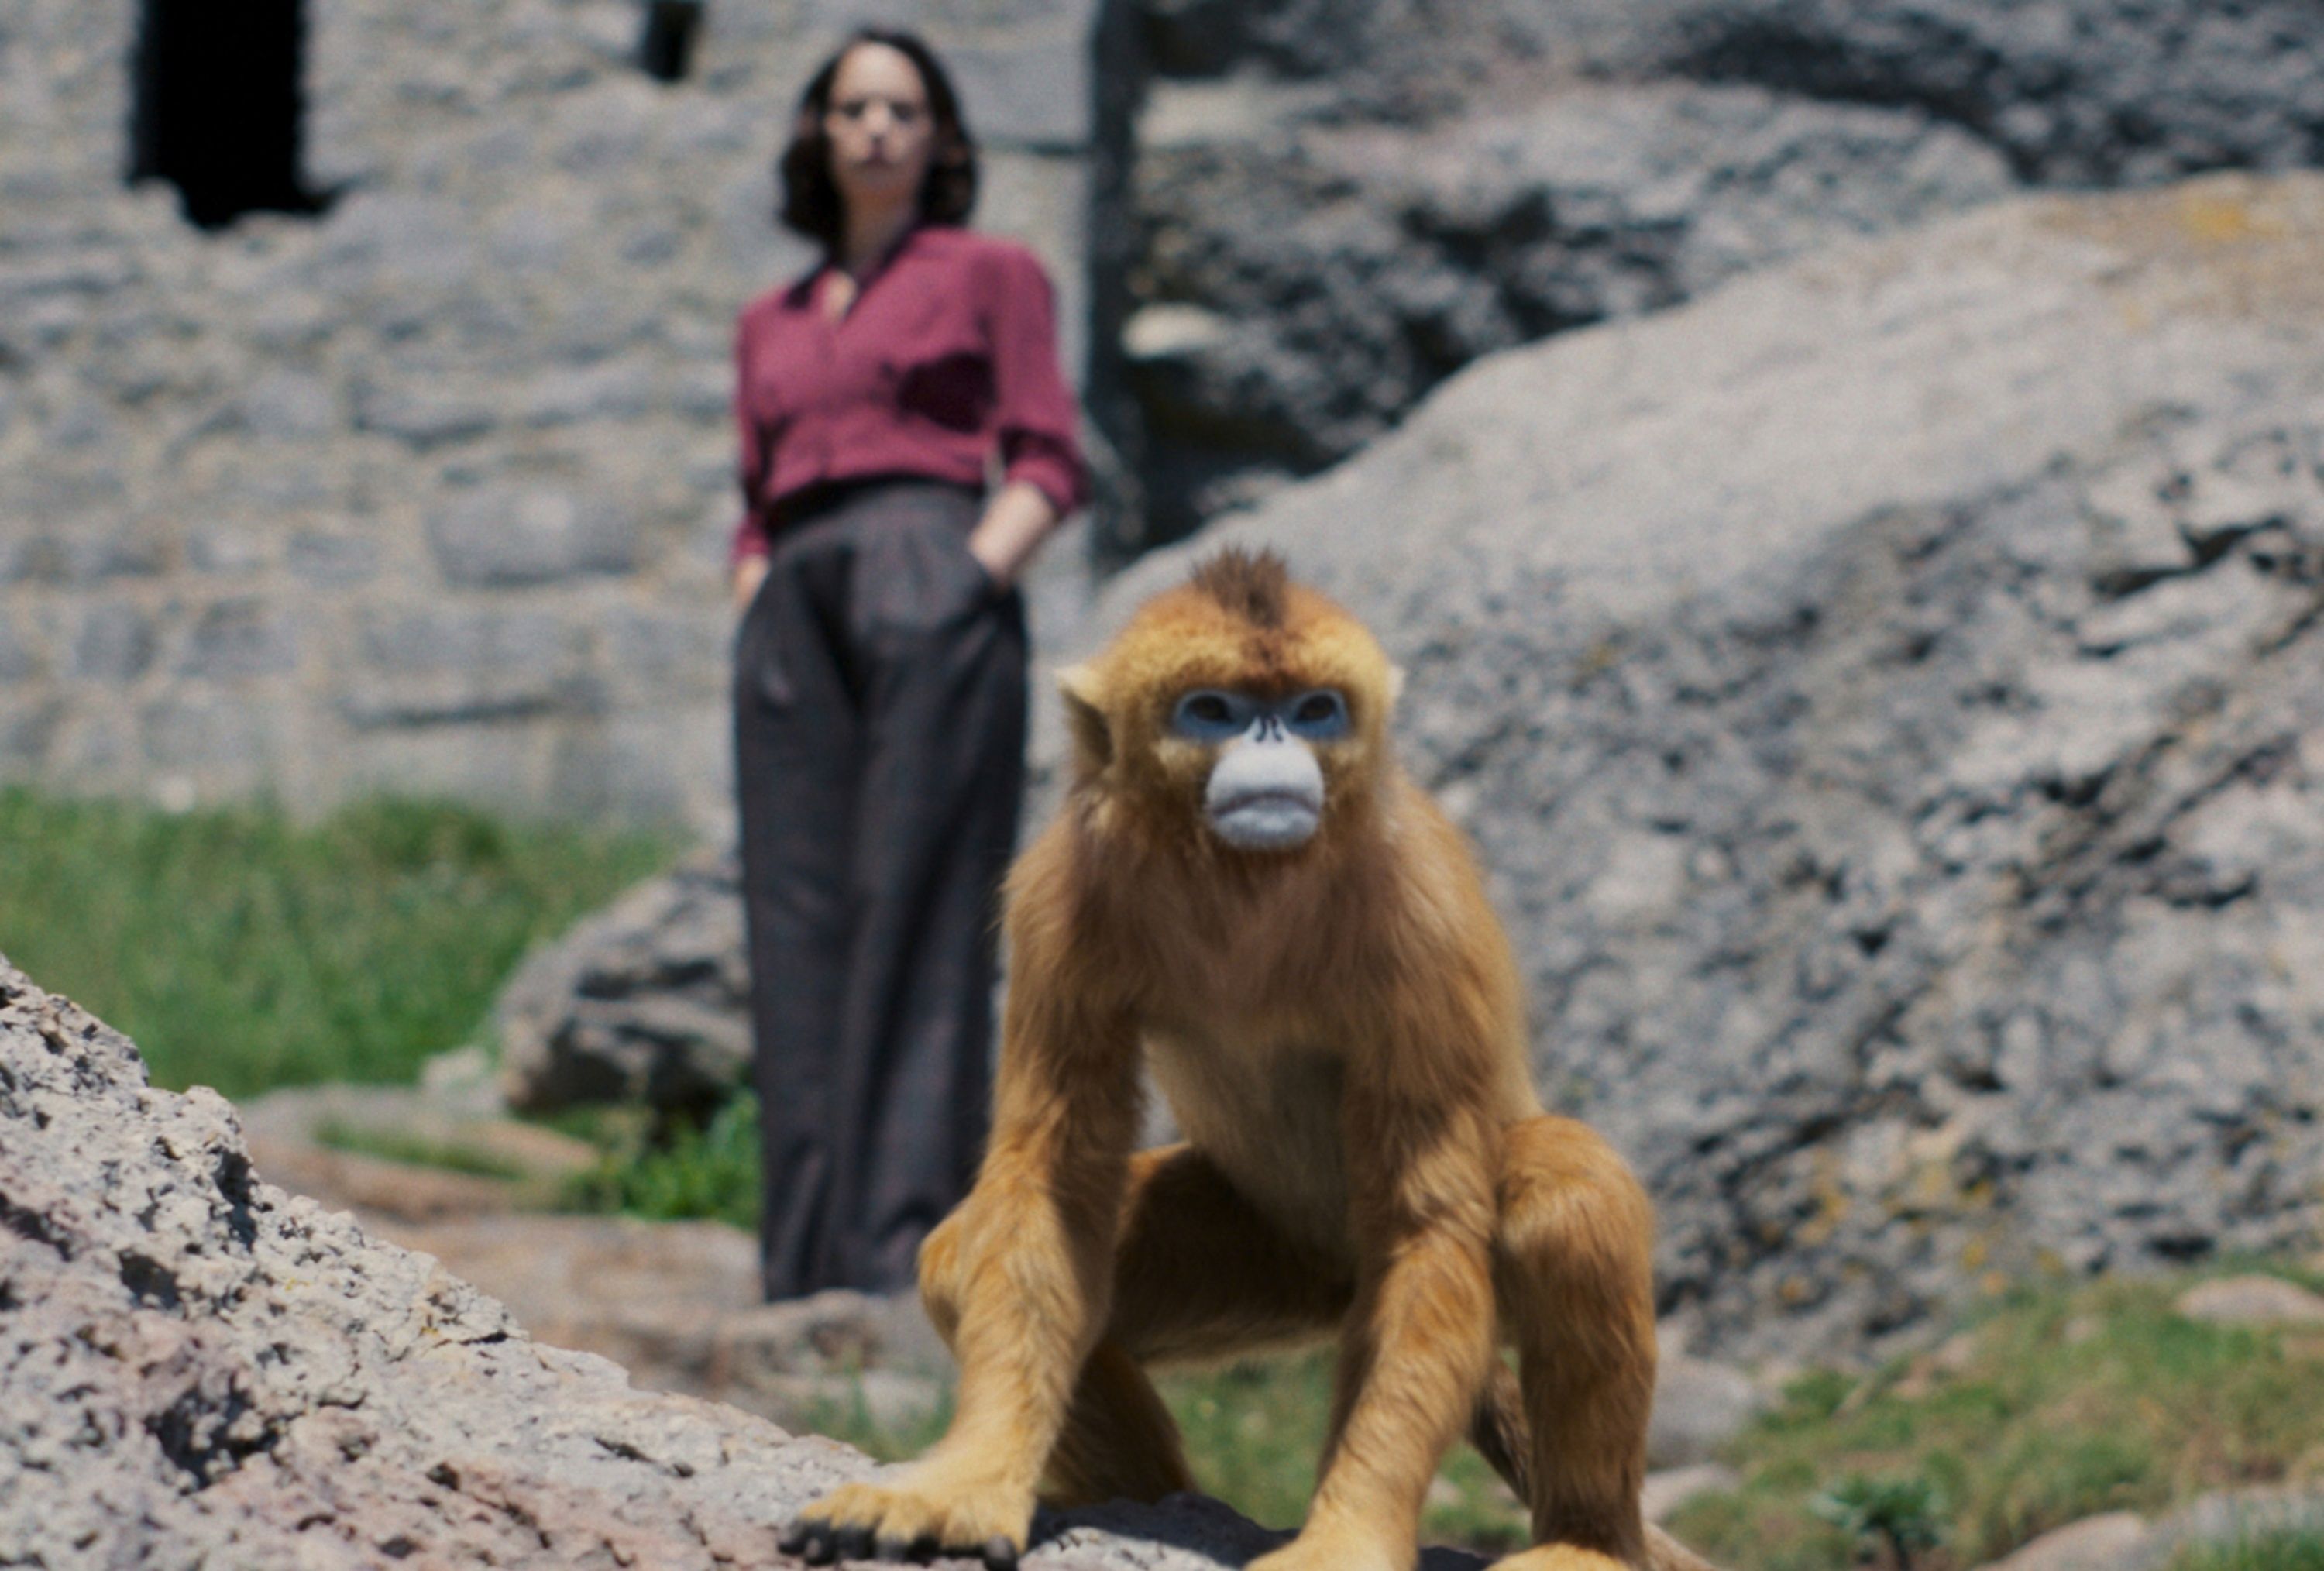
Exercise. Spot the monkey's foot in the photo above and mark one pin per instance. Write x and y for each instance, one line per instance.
(918, 1517)
(1558, 1557)
(1317, 1551)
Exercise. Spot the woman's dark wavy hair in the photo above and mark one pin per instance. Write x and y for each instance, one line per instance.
(812, 204)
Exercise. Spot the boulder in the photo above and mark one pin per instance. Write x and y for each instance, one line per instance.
(647, 1002)
(1350, 268)
(2214, 1525)
(2073, 92)
(1888, 696)
(1588, 159)
(198, 1370)
(2252, 1300)
(1698, 1407)
(2102, 1543)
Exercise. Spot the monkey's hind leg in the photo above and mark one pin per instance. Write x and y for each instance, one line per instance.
(1572, 1273)
(1120, 1442)
(1198, 1273)
(1502, 1437)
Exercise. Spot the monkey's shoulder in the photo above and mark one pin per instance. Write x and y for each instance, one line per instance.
(1431, 890)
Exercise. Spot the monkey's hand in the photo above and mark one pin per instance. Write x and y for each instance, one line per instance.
(929, 1510)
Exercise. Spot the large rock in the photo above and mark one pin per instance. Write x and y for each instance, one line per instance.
(1603, 157)
(1308, 283)
(647, 1002)
(2071, 91)
(1889, 697)
(2252, 1300)
(2101, 1543)
(199, 1371)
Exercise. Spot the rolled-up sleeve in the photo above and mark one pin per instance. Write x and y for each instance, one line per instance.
(1037, 417)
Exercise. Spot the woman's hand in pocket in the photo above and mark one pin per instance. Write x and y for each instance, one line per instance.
(1016, 520)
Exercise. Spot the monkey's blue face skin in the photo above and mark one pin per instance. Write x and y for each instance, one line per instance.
(1266, 791)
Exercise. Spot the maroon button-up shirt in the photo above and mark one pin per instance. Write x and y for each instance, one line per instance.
(948, 355)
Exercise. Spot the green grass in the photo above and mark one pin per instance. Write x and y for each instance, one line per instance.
(668, 1170)
(2066, 1403)
(242, 949)
(1254, 1433)
(2280, 1552)
(396, 1146)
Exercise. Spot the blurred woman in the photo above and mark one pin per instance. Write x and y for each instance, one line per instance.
(879, 677)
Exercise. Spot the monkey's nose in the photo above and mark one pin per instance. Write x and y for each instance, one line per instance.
(1265, 796)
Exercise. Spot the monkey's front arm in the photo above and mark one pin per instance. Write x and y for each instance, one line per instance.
(1418, 1339)
(1018, 1279)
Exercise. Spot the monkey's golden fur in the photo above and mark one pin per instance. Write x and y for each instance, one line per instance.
(1338, 1030)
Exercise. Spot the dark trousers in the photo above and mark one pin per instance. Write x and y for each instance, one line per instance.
(880, 739)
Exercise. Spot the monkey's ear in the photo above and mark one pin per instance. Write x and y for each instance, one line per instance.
(1084, 716)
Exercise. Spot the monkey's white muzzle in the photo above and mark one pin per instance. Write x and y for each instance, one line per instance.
(1265, 796)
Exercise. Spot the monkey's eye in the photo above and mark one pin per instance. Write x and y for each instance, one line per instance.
(1208, 715)
(1319, 715)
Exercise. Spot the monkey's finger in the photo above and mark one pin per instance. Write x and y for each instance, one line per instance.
(852, 1542)
(999, 1555)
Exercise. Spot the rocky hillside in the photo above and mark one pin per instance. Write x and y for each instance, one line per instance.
(201, 1370)
(1889, 695)
(1338, 203)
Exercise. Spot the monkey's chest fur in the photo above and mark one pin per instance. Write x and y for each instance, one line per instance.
(1269, 1114)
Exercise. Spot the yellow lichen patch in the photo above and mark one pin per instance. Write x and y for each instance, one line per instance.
(2225, 218)
(2235, 245)
(1831, 1200)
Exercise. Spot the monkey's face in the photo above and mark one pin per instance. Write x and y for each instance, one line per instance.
(1265, 787)
(1241, 711)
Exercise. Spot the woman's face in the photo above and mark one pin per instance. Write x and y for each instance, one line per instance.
(881, 131)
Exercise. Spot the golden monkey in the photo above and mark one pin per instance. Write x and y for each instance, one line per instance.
(1244, 893)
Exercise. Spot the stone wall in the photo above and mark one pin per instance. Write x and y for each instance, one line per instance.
(429, 492)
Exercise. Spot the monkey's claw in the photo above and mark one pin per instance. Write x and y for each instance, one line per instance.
(902, 1522)
(808, 1540)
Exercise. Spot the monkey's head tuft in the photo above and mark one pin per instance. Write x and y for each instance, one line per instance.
(1241, 710)
(1252, 585)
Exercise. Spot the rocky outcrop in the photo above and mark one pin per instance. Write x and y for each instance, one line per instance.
(1310, 265)
(647, 1002)
(2070, 91)
(1889, 697)
(200, 1371)
(1306, 284)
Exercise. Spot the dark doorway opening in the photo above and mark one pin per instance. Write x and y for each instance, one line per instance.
(218, 106)
(666, 51)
